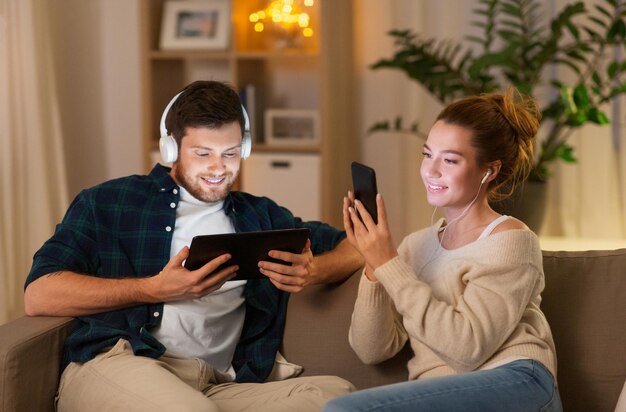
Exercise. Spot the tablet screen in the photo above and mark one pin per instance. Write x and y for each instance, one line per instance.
(246, 248)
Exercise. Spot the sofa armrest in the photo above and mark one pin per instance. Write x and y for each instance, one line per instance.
(30, 358)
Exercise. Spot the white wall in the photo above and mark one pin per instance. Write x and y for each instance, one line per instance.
(96, 52)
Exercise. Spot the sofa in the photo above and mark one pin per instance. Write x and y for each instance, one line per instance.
(584, 301)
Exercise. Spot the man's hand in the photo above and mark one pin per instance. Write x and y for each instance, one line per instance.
(175, 282)
(291, 278)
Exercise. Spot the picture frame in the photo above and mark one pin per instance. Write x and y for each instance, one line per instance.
(289, 127)
(196, 25)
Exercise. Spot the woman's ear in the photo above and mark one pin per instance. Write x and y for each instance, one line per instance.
(494, 169)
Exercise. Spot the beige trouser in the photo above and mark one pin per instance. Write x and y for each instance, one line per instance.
(118, 380)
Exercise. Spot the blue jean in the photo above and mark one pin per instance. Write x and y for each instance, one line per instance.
(523, 385)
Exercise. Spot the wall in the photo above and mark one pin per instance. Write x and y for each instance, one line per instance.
(96, 52)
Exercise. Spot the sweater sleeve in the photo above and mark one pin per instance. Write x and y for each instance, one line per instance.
(376, 331)
(491, 286)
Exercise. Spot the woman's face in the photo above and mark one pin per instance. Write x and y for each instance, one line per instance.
(449, 169)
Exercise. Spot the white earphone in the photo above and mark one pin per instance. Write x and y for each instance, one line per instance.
(486, 177)
(169, 148)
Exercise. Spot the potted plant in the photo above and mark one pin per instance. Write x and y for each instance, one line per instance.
(515, 48)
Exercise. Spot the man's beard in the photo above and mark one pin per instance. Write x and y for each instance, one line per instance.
(197, 190)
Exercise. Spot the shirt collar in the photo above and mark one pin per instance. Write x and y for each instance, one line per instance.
(162, 179)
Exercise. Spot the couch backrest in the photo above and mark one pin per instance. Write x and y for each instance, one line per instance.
(584, 301)
(316, 337)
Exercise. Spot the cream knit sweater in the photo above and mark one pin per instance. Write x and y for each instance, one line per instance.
(464, 309)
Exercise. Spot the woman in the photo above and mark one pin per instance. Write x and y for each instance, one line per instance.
(465, 291)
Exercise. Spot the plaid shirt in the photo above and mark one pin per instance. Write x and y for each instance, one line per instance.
(123, 229)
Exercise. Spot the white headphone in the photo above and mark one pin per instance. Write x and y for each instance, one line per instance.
(169, 148)
(486, 176)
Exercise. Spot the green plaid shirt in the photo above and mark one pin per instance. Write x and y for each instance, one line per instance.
(123, 229)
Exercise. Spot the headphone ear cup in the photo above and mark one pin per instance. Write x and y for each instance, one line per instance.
(246, 145)
(168, 149)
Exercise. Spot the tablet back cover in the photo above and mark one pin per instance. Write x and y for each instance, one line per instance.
(246, 248)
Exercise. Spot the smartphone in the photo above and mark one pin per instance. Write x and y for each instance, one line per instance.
(364, 185)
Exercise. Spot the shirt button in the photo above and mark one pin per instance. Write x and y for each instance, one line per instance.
(168, 228)
(175, 191)
(172, 205)
(156, 314)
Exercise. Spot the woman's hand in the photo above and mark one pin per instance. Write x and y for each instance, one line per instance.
(372, 240)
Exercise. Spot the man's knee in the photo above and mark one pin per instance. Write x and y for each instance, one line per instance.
(330, 386)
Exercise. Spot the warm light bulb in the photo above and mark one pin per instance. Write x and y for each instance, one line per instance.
(303, 20)
(286, 15)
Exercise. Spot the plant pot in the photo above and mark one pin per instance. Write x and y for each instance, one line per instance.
(528, 204)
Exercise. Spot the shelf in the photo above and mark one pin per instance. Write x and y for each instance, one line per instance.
(188, 54)
(243, 55)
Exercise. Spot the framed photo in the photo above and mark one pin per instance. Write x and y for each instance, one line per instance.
(291, 127)
(196, 24)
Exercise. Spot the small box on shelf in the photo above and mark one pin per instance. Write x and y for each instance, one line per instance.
(292, 127)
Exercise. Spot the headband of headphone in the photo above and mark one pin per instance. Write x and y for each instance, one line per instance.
(169, 148)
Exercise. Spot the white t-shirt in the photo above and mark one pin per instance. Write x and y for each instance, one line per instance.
(209, 327)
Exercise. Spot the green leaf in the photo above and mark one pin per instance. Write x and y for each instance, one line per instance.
(577, 119)
(598, 117)
(617, 31)
(398, 123)
(615, 91)
(566, 153)
(379, 126)
(581, 97)
(573, 30)
(596, 78)
(604, 11)
(613, 69)
(599, 22)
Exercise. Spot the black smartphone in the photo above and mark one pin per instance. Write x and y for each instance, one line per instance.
(364, 185)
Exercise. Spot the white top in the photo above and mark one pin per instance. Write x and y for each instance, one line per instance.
(494, 223)
(209, 327)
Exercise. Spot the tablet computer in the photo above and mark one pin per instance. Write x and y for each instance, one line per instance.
(246, 249)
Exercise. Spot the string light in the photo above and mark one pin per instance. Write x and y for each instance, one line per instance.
(284, 14)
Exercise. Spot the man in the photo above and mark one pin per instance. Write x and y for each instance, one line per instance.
(153, 335)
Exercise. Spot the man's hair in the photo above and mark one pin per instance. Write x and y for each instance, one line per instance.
(204, 103)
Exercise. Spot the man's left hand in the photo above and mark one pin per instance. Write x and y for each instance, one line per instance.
(290, 278)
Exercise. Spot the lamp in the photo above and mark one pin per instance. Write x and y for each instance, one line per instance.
(285, 20)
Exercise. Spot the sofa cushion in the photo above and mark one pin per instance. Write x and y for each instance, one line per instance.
(316, 337)
(585, 303)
